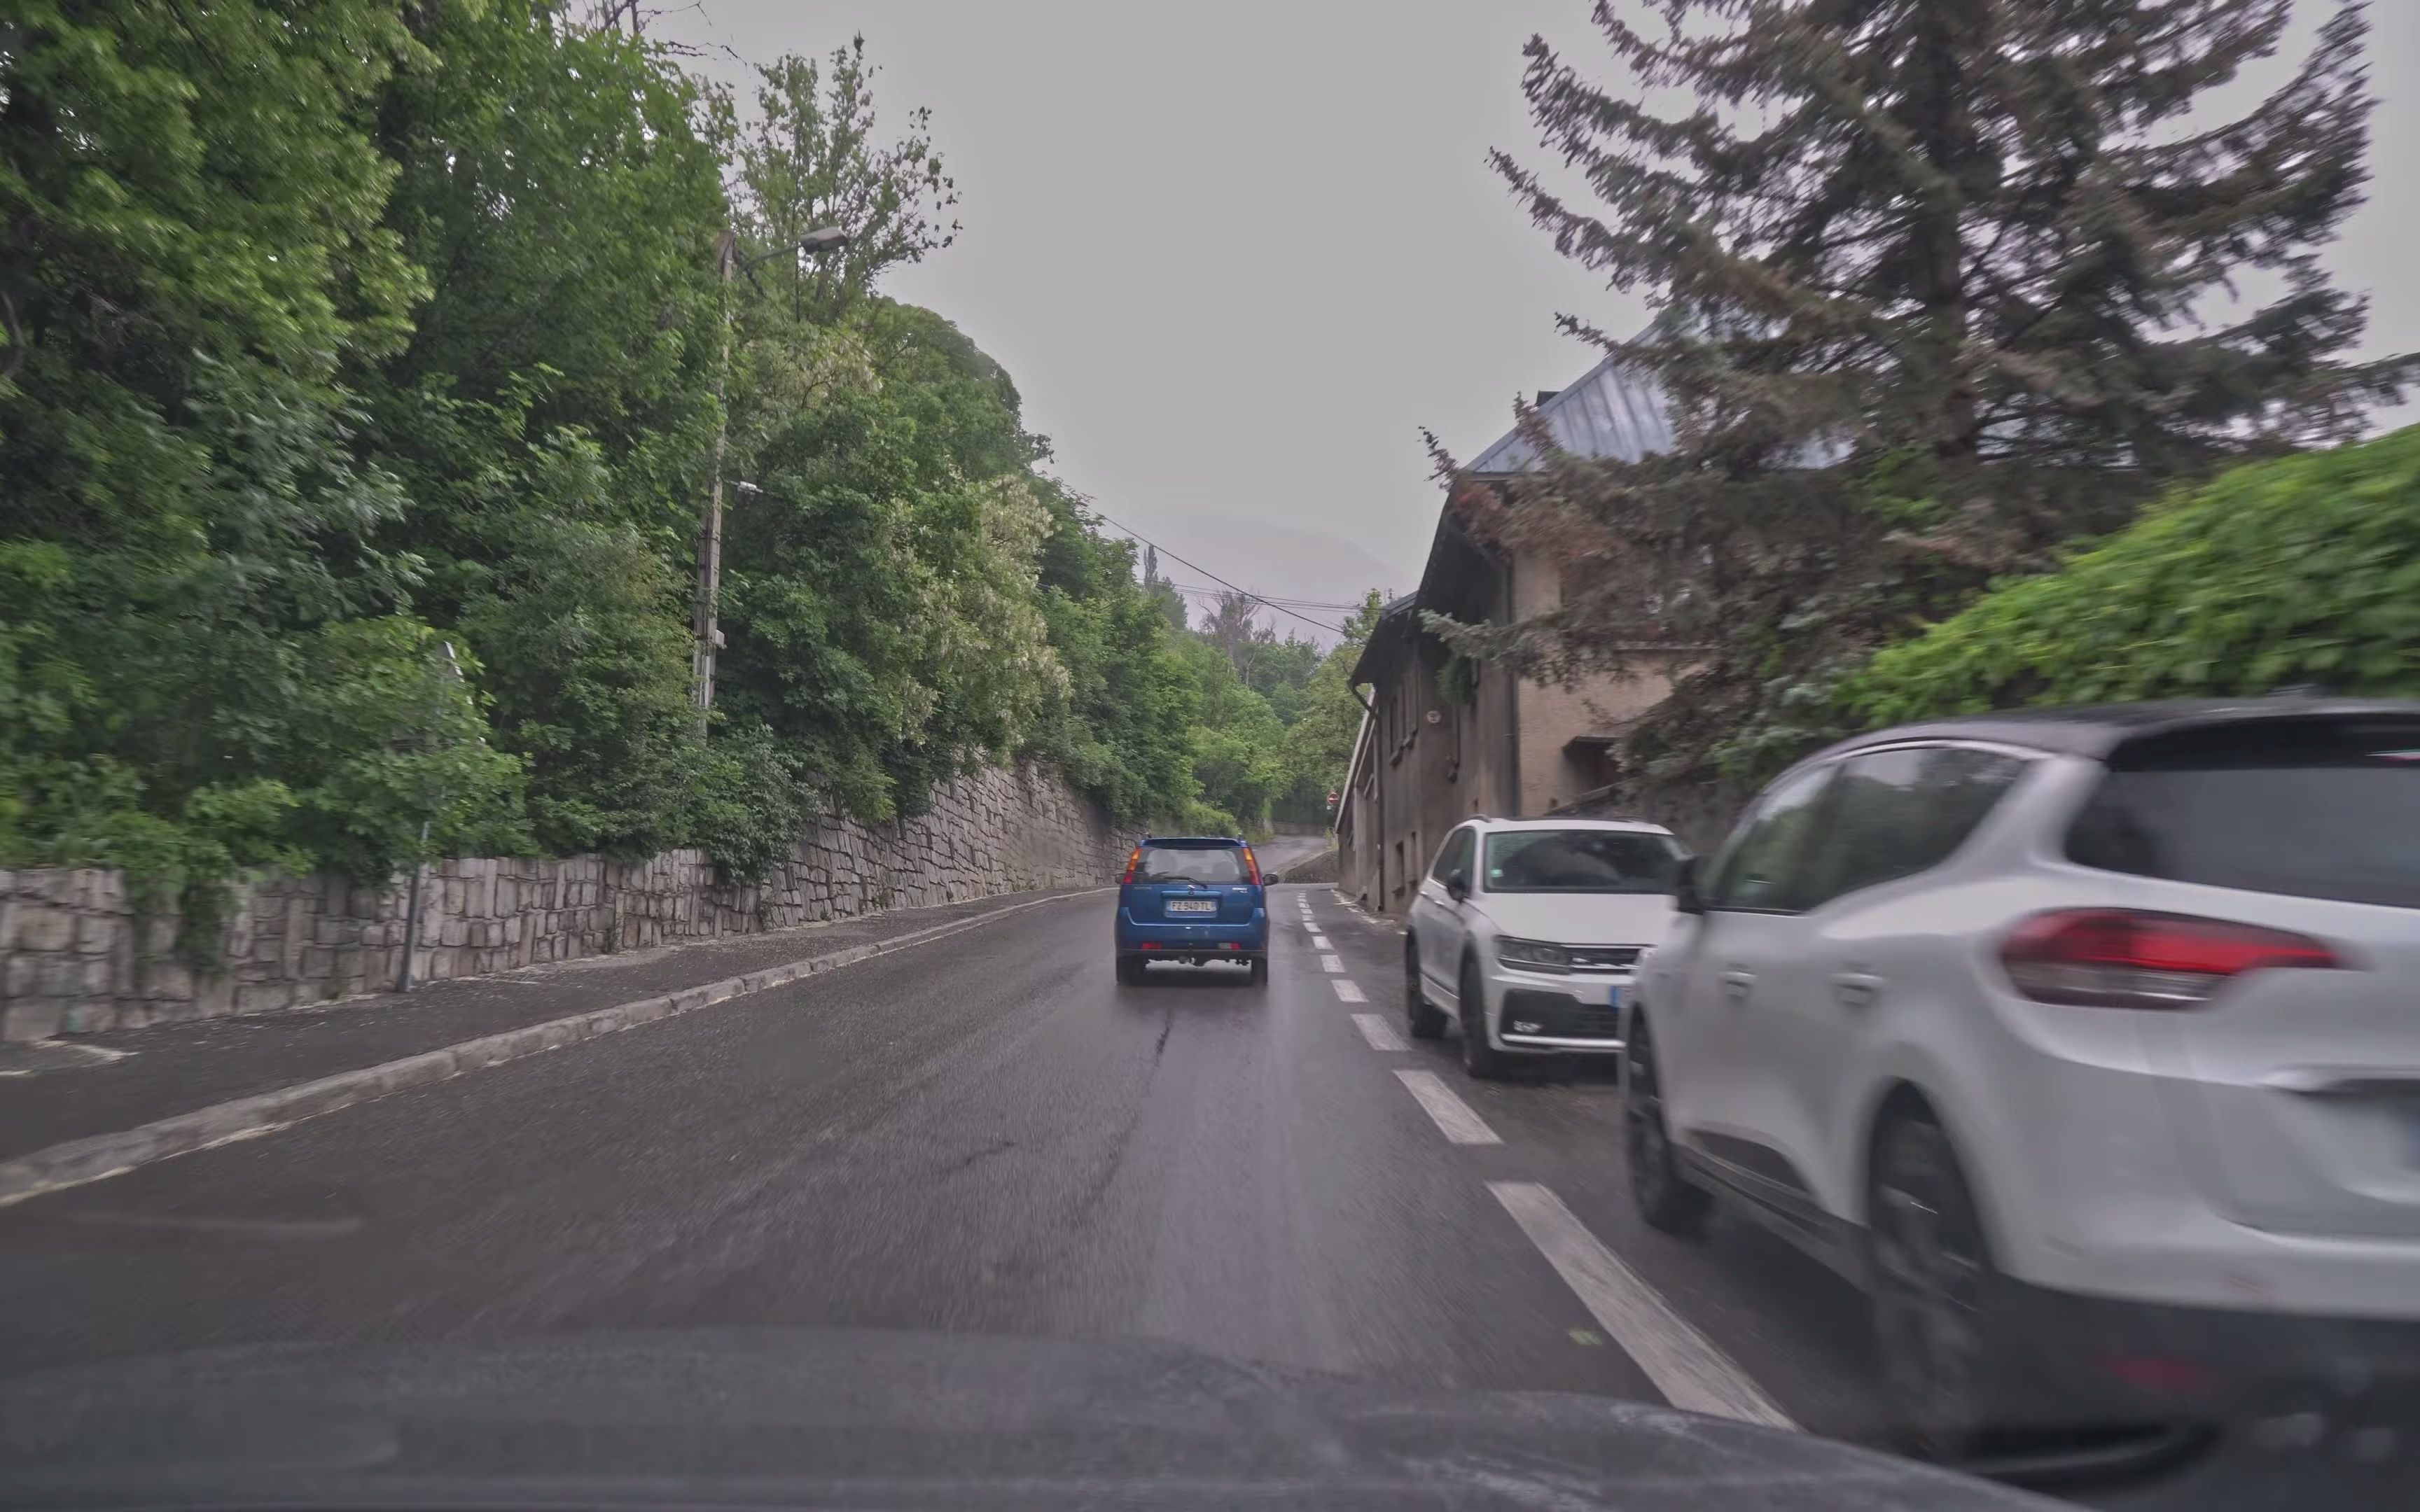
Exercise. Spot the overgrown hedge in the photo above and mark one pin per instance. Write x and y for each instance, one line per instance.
(2304, 570)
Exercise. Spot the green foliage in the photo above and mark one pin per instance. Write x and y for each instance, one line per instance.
(1271, 741)
(751, 799)
(1458, 679)
(1319, 740)
(810, 161)
(1238, 741)
(384, 735)
(589, 664)
(880, 607)
(2303, 570)
(550, 415)
(362, 369)
(1118, 727)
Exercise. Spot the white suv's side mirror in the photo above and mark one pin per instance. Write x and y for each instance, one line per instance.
(1686, 897)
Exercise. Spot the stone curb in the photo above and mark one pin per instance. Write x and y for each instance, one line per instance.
(96, 1157)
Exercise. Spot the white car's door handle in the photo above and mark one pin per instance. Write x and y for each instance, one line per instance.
(1856, 989)
(1736, 983)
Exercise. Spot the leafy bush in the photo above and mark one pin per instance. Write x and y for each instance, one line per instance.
(750, 802)
(2301, 570)
(588, 661)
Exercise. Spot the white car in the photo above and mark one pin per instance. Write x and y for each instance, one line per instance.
(2088, 1043)
(1527, 932)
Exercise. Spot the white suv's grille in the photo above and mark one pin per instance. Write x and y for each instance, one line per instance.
(1604, 957)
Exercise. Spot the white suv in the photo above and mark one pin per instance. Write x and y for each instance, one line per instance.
(2088, 1043)
(1527, 929)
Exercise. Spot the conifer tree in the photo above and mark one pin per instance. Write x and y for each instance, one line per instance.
(1936, 285)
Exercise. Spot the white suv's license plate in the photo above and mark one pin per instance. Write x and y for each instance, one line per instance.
(1193, 905)
(1613, 995)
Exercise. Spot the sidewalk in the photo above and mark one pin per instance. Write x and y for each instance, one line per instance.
(175, 1069)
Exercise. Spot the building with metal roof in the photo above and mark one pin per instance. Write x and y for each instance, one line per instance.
(1616, 413)
(1443, 741)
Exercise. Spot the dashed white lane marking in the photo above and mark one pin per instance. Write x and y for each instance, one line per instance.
(1452, 1116)
(1375, 1030)
(1684, 1364)
(1331, 963)
(1319, 942)
(1347, 989)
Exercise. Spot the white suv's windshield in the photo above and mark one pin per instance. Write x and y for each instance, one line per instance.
(1580, 860)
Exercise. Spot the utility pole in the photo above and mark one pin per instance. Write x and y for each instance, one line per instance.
(709, 539)
(703, 624)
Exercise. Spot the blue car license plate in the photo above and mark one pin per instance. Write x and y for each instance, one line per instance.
(1613, 995)
(1193, 905)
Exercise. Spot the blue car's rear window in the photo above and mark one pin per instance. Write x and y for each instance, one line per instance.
(1172, 863)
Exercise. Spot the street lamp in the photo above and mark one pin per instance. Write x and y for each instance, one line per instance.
(709, 546)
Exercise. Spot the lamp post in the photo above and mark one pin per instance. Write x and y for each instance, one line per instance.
(709, 541)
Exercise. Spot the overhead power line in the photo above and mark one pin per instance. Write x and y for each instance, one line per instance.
(1322, 624)
(1206, 590)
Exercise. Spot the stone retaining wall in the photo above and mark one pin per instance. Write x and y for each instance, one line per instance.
(77, 955)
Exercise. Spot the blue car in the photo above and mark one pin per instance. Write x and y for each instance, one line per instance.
(1192, 898)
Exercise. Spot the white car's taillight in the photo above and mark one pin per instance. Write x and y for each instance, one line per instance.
(2123, 958)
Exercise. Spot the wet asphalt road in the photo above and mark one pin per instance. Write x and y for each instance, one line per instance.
(989, 1134)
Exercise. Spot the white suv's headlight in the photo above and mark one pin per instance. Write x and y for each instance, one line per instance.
(1533, 955)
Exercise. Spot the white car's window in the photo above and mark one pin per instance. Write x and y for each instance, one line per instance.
(1580, 860)
(1766, 863)
(1895, 813)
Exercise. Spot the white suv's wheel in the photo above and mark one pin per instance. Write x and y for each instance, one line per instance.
(1480, 1058)
(1424, 1019)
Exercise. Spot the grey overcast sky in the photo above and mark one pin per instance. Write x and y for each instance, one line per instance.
(1237, 253)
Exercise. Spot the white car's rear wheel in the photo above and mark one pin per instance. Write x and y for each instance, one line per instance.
(1936, 1336)
(1663, 1196)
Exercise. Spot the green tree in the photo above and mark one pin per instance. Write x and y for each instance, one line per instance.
(360, 367)
(1937, 286)
(1161, 592)
(880, 607)
(1122, 729)
(1319, 740)
(1237, 742)
(809, 160)
(207, 655)
(552, 411)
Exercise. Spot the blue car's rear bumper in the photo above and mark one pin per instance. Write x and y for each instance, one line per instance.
(1241, 940)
